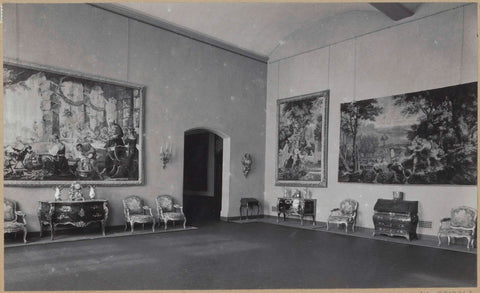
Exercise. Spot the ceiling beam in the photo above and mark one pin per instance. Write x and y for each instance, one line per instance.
(395, 11)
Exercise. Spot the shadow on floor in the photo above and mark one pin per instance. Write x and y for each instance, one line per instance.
(224, 255)
(66, 234)
(423, 240)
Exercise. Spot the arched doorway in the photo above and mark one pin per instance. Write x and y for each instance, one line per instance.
(202, 175)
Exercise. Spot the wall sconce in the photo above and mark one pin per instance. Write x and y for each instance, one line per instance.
(165, 154)
(247, 163)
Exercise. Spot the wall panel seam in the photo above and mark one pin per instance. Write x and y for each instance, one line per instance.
(368, 33)
(186, 33)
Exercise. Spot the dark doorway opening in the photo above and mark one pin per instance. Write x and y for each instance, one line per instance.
(202, 176)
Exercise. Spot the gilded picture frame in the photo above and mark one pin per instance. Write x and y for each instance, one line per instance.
(302, 139)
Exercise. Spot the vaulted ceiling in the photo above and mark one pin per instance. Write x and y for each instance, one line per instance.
(255, 27)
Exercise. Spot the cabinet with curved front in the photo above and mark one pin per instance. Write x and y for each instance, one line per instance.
(297, 207)
(76, 213)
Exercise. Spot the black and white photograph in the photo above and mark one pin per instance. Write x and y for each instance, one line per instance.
(73, 129)
(302, 137)
(240, 146)
(427, 137)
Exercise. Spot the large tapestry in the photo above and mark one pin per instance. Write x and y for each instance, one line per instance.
(65, 126)
(302, 140)
(426, 137)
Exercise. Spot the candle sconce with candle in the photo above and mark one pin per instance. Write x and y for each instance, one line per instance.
(165, 154)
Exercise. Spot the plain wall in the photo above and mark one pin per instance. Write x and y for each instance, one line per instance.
(189, 84)
(429, 52)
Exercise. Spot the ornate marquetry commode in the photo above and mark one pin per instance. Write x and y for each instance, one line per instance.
(76, 213)
(396, 218)
(296, 206)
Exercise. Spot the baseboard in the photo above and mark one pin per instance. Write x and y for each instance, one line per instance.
(67, 228)
(364, 232)
(306, 221)
(229, 219)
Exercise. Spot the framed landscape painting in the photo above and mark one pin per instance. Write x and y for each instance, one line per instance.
(425, 137)
(302, 140)
(63, 126)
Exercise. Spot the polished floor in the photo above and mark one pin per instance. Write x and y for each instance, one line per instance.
(459, 244)
(231, 256)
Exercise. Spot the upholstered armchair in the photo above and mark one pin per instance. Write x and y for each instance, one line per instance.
(461, 224)
(11, 222)
(168, 211)
(136, 212)
(346, 214)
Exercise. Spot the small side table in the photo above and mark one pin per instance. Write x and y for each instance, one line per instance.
(249, 203)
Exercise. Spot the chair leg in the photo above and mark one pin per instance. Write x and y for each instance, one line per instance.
(126, 226)
(346, 227)
(143, 226)
(153, 225)
(184, 222)
(327, 225)
(166, 221)
(24, 234)
(131, 226)
(439, 240)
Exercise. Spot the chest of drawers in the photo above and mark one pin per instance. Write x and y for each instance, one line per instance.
(296, 206)
(396, 218)
(76, 213)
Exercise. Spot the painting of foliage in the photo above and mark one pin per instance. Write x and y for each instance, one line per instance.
(62, 126)
(426, 137)
(302, 136)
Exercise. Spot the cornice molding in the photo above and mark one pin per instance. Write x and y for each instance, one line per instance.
(141, 17)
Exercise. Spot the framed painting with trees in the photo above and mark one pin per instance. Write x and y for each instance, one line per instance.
(302, 140)
(425, 137)
(61, 126)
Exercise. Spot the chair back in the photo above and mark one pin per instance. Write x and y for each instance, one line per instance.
(348, 206)
(9, 209)
(134, 204)
(464, 217)
(165, 202)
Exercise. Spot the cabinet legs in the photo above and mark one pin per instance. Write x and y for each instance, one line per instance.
(103, 227)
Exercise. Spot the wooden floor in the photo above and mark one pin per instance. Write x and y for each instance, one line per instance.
(231, 256)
